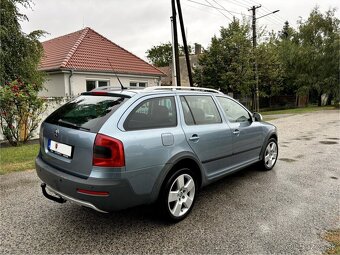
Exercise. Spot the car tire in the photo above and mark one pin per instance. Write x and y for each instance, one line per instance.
(270, 155)
(178, 195)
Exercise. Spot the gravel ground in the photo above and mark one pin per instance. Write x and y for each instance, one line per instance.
(284, 211)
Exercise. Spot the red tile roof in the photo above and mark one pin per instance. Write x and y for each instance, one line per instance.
(86, 50)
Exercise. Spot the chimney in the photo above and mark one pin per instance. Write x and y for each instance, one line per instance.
(198, 49)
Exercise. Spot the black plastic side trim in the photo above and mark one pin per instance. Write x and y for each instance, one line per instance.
(227, 156)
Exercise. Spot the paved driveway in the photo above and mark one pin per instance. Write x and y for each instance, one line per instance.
(283, 211)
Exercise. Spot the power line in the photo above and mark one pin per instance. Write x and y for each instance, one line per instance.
(277, 16)
(217, 8)
(235, 2)
(201, 9)
(272, 19)
(219, 11)
(222, 7)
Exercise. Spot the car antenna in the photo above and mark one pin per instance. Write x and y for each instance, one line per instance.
(115, 73)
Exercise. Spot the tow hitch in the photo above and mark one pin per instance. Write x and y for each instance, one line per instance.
(53, 198)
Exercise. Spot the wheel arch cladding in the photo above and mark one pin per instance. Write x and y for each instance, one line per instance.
(187, 163)
(271, 135)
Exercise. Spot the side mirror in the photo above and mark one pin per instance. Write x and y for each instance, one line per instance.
(257, 116)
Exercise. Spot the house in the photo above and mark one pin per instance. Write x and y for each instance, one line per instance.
(169, 80)
(193, 62)
(84, 60)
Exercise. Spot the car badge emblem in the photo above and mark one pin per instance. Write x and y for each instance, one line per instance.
(56, 133)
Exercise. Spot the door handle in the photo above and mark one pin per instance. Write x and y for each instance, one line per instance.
(236, 132)
(194, 138)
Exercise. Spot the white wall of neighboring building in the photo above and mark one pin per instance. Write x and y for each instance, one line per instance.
(78, 80)
(54, 85)
(57, 84)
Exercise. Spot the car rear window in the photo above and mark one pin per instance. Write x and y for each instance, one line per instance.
(86, 112)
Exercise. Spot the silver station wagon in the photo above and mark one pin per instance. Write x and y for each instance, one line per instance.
(111, 149)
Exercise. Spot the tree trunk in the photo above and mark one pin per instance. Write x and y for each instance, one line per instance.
(319, 99)
(329, 99)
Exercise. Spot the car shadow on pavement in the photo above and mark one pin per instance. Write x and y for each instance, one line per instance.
(148, 215)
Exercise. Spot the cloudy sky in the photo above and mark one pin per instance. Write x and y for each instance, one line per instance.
(137, 25)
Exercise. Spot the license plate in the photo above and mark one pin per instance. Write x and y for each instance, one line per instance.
(60, 148)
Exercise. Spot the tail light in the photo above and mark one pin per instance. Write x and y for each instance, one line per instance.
(108, 152)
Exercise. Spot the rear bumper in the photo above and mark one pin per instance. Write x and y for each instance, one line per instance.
(63, 198)
(121, 195)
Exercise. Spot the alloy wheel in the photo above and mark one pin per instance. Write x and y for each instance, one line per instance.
(270, 155)
(181, 195)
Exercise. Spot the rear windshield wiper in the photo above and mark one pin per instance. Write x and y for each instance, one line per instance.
(72, 125)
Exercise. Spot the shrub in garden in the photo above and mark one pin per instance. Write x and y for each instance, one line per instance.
(20, 111)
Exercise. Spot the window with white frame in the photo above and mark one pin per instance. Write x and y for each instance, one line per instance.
(92, 84)
(138, 84)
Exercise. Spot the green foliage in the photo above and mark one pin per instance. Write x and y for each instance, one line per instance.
(270, 71)
(20, 53)
(310, 56)
(161, 55)
(287, 50)
(302, 62)
(228, 63)
(20, 106)
(319, 53)
(20, 111)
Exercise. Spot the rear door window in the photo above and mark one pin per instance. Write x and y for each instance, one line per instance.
(200, 110)
(88, 112)
(152, 113)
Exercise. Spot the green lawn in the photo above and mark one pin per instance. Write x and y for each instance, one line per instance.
(298, 110)
(21, 158)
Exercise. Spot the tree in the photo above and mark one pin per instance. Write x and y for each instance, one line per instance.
(319, 54)
(288, 52)
(20, 106)
(20, 53)
(161, 55)
(227, 63)
(270, 71)
(287, 32)
(20, 111)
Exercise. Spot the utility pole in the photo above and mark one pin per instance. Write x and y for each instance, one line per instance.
(173, 71)
(256, 97)
(256, 76)
(175, 45)
(186, 51)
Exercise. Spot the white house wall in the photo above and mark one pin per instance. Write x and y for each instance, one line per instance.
(78, 81)
(54, 85)
(57, 84)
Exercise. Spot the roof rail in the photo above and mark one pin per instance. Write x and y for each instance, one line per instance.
(114, 88)
(106, 88)
(182, 88)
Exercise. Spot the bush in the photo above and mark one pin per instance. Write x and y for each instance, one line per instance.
(20, 111)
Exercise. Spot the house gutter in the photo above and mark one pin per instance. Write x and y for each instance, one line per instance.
(69, 82)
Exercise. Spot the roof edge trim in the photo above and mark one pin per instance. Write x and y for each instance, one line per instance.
(74, 48)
